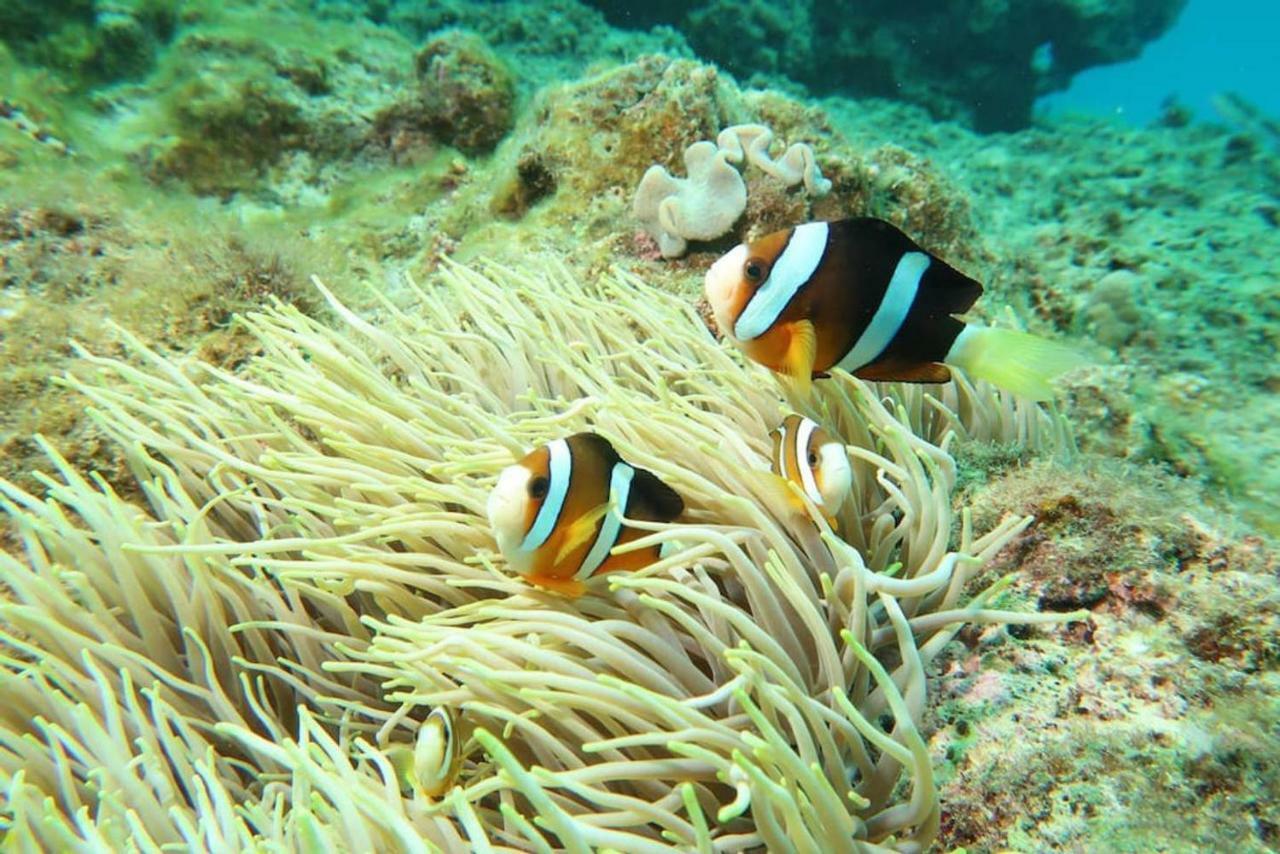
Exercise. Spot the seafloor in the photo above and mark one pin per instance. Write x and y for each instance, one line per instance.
(223, 157)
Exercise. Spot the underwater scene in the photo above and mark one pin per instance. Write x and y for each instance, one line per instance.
(572, 425)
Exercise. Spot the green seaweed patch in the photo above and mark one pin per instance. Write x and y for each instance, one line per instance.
(382, 211)
(40, 116)
(977, 463)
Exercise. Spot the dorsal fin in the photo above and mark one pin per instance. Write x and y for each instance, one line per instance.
(653, 500)
(944, 290)
(594, 443)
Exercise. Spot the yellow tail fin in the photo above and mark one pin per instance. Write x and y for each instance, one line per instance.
(1014, 361)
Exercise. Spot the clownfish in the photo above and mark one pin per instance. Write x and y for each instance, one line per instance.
(431, 767)
(860, 295)
(809, 457)
(558, 512)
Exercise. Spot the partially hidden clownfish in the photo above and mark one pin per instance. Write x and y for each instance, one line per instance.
(809, 457)
(860, 295)
(558, 512)
(432, 765)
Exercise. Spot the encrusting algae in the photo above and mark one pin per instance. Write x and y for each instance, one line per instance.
(248, 657)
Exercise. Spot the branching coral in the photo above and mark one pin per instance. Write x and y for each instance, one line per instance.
(239, 662)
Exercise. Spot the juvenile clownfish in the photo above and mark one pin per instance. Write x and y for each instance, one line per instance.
(431, 767)
(860, 295)
(809, 457)
(558, 512)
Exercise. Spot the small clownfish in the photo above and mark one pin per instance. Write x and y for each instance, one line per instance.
(558, 512)
(431, 767)
(860, 295)
(809, 457)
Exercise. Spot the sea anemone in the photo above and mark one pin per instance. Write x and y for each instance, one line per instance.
(238, 651)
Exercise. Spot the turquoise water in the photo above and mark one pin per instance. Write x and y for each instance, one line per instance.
(1215, 47)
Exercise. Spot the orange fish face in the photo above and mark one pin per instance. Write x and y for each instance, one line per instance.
(734, 279)
(727, 289)
(809, 457)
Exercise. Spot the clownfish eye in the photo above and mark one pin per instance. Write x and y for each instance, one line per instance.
(753, 270)
(538, 487)
(813, 459)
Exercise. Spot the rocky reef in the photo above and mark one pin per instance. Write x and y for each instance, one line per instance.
(93, 43)
(146, 207)
(983, 63)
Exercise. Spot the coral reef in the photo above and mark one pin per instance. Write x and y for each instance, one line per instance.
(1148, 724)
(306, 574)
(981, 62)
(466, 94)
(555, 176)
(548, 40)
(225, 106)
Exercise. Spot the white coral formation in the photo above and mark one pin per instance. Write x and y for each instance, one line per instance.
(702, 206)
(233, 658)
(705, 204)
(797, 163)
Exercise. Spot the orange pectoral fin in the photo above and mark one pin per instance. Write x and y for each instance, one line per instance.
(779, 488)
(802, 352)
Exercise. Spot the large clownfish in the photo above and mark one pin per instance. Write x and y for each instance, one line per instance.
(809, 457)
(860, 295)
(558, 512)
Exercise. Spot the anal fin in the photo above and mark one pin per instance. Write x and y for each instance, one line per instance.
(569, 587)
(901, 370)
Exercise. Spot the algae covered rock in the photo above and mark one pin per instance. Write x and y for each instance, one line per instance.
(241, 92)
(588, 142)
(548, 41)
(984, 62)
(88, 40)
(232, 121)
(1146, 726)
(466, 93)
